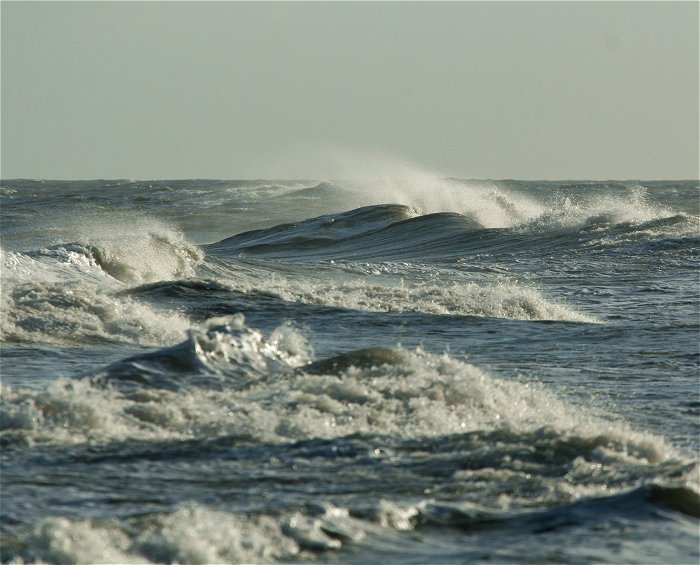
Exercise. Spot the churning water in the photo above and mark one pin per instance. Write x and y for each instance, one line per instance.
(407, 371)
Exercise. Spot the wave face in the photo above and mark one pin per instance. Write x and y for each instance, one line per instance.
(414, 369)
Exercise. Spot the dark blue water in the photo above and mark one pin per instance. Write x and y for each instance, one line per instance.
(407, 371)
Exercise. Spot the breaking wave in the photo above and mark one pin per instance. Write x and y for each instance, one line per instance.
(233, 380)
(391, 232)
(68, 293)
(504, 299)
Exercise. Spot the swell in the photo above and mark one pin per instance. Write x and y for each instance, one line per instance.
(315, 233)
(386, 231)
(393, 232)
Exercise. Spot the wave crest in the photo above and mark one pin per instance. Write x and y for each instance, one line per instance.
(504, 299)
(266, 391)
(227, 354)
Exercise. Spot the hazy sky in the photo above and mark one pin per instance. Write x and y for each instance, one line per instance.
(522, 90)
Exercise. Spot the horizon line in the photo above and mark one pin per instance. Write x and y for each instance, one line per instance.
(328, 178)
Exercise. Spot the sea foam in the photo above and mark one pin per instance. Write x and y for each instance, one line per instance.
(413, 394)
(69, 293)
(500, 299)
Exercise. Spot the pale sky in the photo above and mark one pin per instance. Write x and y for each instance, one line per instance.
(525, 90)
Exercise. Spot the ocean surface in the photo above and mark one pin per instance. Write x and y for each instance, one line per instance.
(404, 370)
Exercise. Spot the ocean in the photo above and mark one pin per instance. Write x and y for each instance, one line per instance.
(392, 370)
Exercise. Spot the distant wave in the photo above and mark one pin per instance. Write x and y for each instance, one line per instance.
(387, 231)
(321, 190)
(394, 232)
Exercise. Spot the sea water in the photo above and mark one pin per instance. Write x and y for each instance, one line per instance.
(404, 370)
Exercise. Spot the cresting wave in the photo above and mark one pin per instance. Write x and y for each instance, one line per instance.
(133, 249)
(74, 313)
(151, 252)
(69, 292)
(490, 204)
(505, 299)
(146, 253)
(394, 232)
(386, 234)
(231, 380)
(499, 205)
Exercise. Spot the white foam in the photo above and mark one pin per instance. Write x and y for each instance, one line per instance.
(64, 294)
(59, 540)
(501, 299)
(368, 178)
(491, 205)
(563, 212)
(495, 206)
(141, 250)
(196, 534)
(382, 181)
(131, 248)
(72, 311)
(652, 233)
(63, 263)
(525, 446)
(231, 348)
(421, 396)
(190, 534)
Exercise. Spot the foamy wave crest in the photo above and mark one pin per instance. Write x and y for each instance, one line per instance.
(388, 392)
(495, 205)
(504, 445)
(134, 250)
(65, 294)
(137, 398)
(190, 534)
(662, 234)
(374, 180)
(63, 262)
(601, 211)
(144, 255)
(72, 312)
(505, 299)
(194, 533)
(492, 206)
(227, 354)
(131, 248)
